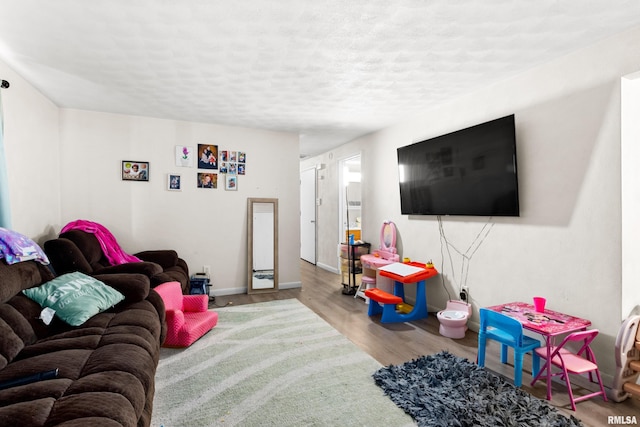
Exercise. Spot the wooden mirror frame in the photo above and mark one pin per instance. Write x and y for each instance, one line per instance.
(250, 247)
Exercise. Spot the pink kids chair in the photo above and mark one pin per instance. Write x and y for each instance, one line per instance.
(580, 362)
(188, 317)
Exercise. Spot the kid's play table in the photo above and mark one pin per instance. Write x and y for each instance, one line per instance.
(549, 324)
(402, 274)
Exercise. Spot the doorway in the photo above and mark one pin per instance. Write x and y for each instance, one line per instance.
(308, 222)
(350, 194)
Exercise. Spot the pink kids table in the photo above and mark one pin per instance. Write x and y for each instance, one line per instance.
(549, 324)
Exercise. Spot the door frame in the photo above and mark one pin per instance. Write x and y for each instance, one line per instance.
(342, 201)
(314, 211)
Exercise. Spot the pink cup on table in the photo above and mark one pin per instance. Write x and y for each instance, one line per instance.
(538, 304)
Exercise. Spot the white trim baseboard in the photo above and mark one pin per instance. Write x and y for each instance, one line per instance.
(243, 290)
(328, 268)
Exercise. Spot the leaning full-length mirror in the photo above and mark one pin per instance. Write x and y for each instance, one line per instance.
(262, 245)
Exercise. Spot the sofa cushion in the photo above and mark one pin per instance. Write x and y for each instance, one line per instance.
(18, 323)
(134, 287)
(23, 275)
(75, 297)
(10, 344)
(89, 246)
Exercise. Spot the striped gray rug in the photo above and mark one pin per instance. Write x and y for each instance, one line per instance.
(271, 364)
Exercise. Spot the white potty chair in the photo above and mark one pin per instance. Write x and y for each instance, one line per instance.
(453, 319)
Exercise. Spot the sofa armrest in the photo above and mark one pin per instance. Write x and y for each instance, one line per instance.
(195, 303)
(166, 258)
(134, 287)
(182, 264)
(66, 257)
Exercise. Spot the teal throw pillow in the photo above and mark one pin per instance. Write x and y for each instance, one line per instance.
(75, 297)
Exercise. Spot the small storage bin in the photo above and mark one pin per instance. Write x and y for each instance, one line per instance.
(199, 285)
(358, 250)
(344, 264)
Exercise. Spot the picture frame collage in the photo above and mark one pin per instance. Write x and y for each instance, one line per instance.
(211, 162)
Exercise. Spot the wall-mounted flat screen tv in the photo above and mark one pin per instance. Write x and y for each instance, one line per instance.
(472, 171)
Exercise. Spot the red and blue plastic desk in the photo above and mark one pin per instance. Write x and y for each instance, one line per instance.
(385, 303)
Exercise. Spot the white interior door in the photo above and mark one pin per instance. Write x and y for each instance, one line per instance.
(308, 215)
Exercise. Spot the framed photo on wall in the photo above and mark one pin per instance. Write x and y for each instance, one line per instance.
(174, 182)
(207, 180)
(231, 182)
(135, 171)
(207, 156)
(184, 156)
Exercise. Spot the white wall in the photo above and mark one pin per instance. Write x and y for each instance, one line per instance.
(205, 226)
(566, 245)
(65, 164)
(32, 148)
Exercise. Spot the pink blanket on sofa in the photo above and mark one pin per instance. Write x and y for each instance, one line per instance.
(108, 242)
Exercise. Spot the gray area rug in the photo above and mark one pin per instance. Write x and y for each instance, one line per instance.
(445, 390)
(271, 364)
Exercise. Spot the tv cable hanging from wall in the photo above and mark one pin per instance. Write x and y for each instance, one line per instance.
(445, 244)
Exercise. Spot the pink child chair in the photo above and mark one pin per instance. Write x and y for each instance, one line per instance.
(188, 317)
(581, 362)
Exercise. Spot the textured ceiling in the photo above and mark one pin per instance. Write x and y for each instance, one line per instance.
(330, 70)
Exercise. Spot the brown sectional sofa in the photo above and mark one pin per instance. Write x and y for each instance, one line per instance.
(106, 367)
(77, 250)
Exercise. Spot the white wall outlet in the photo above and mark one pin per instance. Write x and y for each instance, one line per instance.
(206, 270)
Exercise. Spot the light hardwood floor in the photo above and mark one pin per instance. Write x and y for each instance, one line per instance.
(397, 343)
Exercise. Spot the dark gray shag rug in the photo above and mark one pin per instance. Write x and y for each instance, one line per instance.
(445, 390)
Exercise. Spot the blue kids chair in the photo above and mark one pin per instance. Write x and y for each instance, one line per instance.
(507, 331)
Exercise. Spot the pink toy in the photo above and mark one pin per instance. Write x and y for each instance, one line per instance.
(385, 303)
(388, 249)
(579, 362)
(188, 317)
(627, 352)
(385, 255)
(453, 319)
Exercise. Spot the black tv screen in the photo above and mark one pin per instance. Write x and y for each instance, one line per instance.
(472, 171)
